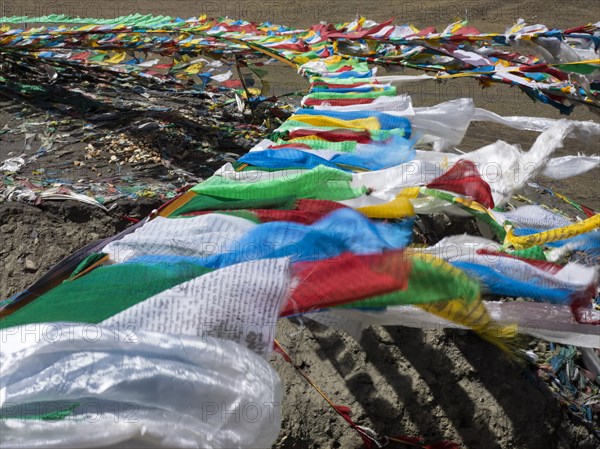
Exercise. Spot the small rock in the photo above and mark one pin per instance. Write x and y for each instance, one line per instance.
(30, 265)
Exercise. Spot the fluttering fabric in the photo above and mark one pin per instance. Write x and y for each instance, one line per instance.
(327, 216)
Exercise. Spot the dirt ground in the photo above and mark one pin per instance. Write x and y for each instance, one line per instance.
(434, 384)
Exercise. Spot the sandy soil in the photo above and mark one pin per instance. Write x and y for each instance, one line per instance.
(487, 14)
(439, 385)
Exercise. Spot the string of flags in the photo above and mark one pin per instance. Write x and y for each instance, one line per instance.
(320, 218)
(556, 67)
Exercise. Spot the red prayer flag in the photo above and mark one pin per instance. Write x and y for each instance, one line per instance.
(464, 178)
(346, 278)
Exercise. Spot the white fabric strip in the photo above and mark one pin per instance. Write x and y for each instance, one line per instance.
(546, 321)
(126, 387)
(240, 303)
(198, 236)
